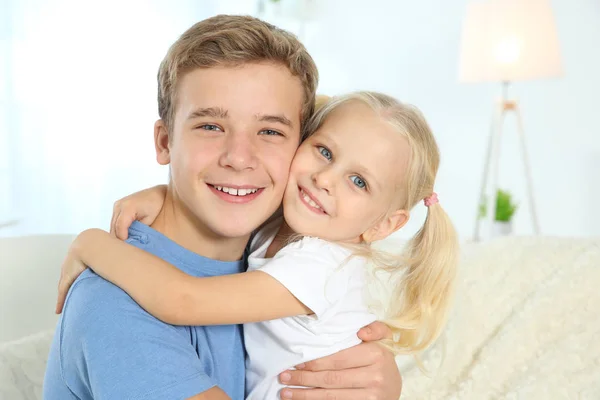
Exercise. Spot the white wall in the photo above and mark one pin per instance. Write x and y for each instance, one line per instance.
(100, 101)
(83, 105)
(410, 49)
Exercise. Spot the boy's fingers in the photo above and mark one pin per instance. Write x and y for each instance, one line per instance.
(323, 394)
(361, 355)
(348, 378)
(375, 331)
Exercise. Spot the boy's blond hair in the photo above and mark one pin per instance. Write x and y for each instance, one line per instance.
(233, 40)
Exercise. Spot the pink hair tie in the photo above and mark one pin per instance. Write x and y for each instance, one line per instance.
(431, 200)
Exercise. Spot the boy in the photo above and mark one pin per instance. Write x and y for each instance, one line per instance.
(234, 94)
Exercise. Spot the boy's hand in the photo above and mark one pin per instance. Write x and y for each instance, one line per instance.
(365, 371)
(71, 268)
(143, 206)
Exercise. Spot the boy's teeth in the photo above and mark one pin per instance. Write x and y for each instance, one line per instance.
(235, 192)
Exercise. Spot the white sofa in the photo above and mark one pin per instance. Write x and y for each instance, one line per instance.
(29, 272)
(30, 268)
(525, 325)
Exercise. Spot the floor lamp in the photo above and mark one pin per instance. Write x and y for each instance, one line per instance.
(506, 41)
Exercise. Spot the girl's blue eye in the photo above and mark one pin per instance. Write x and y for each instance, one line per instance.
(358, 181)
(325, 152)
(210, 127)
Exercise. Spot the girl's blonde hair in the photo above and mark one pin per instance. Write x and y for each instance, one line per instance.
(426, 269)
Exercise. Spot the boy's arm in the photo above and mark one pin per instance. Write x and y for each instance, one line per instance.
(178, 298)
(365, 371)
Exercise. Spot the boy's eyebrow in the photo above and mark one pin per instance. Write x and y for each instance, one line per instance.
(214, 112)
(282, 119)
(218, 112)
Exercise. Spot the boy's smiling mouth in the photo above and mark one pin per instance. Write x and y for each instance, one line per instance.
(234, 193)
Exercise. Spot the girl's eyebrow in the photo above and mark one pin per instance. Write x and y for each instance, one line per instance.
(364, 171)
(330, 141)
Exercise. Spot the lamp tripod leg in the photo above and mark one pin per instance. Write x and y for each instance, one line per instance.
(494, 171)
(491, 145)
(526, 165)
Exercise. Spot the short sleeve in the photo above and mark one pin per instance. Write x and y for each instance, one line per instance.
(317, 273)
(110, 348)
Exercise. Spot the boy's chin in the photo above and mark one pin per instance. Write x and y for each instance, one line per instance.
(234, 233)
(232, 228)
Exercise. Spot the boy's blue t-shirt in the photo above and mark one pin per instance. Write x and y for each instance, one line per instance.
(107, 347)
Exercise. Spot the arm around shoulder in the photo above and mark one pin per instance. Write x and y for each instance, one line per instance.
(177, 298)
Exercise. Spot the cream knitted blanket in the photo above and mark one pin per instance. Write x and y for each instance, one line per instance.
(525, 325)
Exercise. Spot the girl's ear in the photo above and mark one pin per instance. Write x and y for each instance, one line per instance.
(387, 226)
(161, 143)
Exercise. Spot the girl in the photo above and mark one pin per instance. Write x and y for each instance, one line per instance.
(369, 160)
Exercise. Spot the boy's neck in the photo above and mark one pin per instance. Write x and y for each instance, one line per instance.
(177, 223)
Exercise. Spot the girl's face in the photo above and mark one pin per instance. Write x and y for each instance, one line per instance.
(344, 179)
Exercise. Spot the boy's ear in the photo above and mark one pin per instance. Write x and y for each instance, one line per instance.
(161, 143)
(386, 227)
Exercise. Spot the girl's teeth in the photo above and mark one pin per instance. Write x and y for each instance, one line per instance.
(310, 201)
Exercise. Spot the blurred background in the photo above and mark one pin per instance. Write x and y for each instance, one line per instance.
(78, 102)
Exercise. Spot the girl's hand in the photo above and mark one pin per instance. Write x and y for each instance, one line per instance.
(71, 268)
(143, 206)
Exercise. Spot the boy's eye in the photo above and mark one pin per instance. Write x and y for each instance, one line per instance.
(210, 127)
(270, 132)
(325, 152)
(358, 181)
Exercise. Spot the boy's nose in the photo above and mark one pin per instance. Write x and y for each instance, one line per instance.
(239, 153)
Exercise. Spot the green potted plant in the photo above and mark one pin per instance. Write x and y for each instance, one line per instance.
(505, 210)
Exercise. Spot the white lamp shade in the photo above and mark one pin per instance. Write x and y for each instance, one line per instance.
(509, 40)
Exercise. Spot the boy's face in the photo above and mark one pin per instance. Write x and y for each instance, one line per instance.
(235, 132)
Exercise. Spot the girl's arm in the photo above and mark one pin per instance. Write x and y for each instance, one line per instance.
(173, 296)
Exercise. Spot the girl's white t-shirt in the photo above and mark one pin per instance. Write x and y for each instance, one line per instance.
(324, 277)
